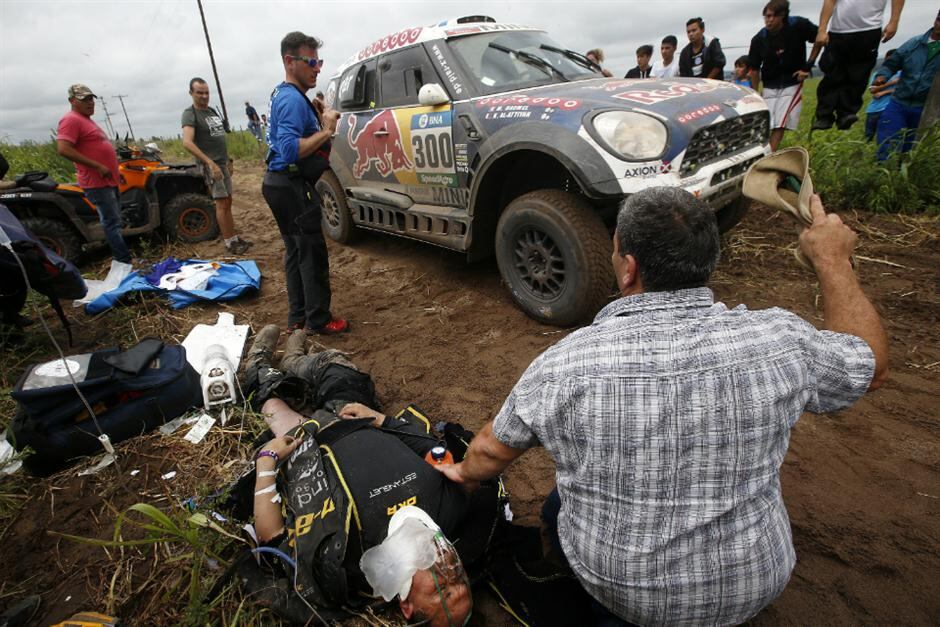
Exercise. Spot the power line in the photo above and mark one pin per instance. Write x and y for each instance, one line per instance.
(107, 117)
(121, 97)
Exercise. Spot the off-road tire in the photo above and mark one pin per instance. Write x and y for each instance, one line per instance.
(190, 218)
(553, 252)
(732, 213)
(57, 236)
(337, 221)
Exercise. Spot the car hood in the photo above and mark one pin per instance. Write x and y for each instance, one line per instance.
(683, 104)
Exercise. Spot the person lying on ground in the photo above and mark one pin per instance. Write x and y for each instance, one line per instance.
(342, 473)
(669, 418)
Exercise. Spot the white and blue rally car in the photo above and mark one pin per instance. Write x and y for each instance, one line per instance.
(491, 138)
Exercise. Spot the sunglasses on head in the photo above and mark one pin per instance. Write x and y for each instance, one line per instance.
(315, 63)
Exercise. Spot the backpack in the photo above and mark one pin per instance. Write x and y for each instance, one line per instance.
(131, 393)
(49, 274)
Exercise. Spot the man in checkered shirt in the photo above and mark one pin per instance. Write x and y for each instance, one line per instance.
(669, 417)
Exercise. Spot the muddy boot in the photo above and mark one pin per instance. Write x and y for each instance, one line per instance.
(262, 349)
(294, 351)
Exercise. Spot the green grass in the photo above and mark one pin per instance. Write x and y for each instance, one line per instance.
(847, 175)
(43, 156)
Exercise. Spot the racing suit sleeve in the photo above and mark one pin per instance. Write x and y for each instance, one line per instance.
(414, 437)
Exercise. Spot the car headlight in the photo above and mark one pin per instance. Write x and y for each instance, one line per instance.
(631, 135)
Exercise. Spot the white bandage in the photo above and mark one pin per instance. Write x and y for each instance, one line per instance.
(267, 490)
(266, 473)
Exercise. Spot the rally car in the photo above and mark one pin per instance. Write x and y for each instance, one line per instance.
(491, 138)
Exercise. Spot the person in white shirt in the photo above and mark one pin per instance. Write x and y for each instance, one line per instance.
(668, 66)
(851, 30)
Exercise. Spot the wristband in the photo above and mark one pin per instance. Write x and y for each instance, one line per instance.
(267, 453)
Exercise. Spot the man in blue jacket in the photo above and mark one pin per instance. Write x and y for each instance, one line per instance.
(918, 60)
(298, 141)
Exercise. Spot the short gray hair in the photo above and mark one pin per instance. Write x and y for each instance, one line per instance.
(672, 235)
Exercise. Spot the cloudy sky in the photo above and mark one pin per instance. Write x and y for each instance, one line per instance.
(149, 49)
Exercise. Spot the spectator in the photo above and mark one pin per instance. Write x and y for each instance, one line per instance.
(742, 72)
(299, 141)
(854, 30)
(669, 417)
(667, 66)
(643, 67)
(880, 97)
(254, 122)
(204, 138)
(918, 61)
(778, 60)
(596, 56)
(83, 142)
(702, 57)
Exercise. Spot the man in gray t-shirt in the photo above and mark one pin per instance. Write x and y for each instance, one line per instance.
(204, 137)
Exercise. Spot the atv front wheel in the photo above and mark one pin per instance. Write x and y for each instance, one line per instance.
(337, 221)
(553, 252)
(57, 236)
(190, 218)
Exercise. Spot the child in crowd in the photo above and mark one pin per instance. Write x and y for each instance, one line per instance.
(742, 69)
(880, 96)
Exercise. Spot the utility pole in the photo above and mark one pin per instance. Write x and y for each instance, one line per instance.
(121, 97)
(215, 73)
(107, 117)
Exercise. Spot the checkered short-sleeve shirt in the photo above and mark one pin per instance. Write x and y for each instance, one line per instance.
(668, 419)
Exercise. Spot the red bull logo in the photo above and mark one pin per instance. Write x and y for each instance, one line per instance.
(378, 141)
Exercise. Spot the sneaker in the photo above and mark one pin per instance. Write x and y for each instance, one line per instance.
(820, 124)
(333, 327)
(846, 121)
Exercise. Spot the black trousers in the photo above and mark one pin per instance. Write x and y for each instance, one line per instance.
(12, 296)
(306, 260)
(847, 63)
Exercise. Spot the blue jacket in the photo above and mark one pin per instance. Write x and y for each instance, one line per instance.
(916, 72)
(291, 118)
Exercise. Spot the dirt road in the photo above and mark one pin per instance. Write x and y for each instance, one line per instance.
(862, 486)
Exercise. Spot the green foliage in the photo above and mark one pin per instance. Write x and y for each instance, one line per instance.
(188, 530)
(37, 156)
(848, 176)
(43, 156)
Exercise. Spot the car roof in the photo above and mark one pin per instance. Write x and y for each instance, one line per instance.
(449, 29)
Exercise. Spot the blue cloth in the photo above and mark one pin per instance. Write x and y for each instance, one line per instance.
(917, 70)
(896, 128)
(231, 281)
(292, 117)
(107, 203)
(877, 105)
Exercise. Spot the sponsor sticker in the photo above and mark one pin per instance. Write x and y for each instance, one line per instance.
(679, 90)
(432, 148)
(699, 113)
(405, 37)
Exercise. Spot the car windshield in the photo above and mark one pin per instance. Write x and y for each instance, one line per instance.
(509, 60)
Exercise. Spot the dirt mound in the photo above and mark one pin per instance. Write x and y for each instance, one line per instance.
(862, 486)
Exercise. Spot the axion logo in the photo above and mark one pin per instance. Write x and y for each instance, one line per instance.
(646, 170)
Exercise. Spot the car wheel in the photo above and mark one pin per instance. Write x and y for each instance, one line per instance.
(190, 218)
(337, 221)
(57, 236)
(553, 252)
(729, 215)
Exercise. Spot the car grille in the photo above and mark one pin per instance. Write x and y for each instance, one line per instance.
(725, 138)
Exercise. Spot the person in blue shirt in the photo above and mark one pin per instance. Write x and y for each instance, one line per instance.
(299, 138)
(917, 60)
(880, 97)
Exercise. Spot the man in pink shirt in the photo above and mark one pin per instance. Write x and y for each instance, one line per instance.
(83, 142)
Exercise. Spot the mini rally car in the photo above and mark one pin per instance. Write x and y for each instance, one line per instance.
(492, 138)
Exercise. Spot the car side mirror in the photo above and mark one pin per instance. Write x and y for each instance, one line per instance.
(432, 94)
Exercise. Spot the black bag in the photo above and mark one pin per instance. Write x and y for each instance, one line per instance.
(131, 393)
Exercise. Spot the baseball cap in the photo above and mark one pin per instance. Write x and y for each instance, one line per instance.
(80, 91)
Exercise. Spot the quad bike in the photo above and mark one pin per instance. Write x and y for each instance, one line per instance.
(154, 195)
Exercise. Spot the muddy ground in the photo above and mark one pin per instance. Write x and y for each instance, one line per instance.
(862, 486)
